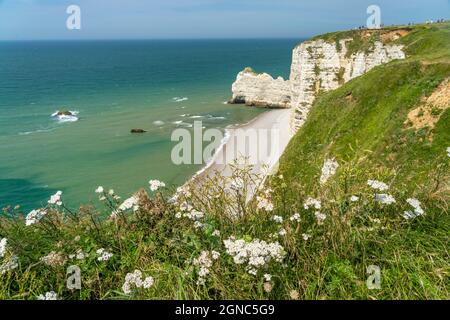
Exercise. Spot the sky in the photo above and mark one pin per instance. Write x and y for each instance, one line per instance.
(189, 19)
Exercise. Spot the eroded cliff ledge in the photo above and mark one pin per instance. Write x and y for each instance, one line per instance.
(317, 65)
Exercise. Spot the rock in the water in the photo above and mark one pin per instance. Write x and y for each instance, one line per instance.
(138, 131)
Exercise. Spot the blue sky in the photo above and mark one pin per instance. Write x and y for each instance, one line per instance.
(162, 19)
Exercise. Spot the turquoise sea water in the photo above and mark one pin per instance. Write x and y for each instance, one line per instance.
(115, 86)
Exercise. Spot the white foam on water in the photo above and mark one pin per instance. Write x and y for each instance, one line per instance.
(66, 118)
(158, 123)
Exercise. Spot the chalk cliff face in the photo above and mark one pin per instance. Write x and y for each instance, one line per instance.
(316, 66)
(255, 89)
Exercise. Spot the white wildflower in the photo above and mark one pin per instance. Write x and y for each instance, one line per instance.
(216, 233)
(277, 219)
(204, 262)
(194, 215)
(54, 259)
(178, 215)
(354, 198)
(79, 255)
(156, 184)
(256, 253)
(34, 216)
(448, 151)
(237, 184)
(267, 277)
(320, 217)
(3, 243)
(264, 204)
(99, 189)
(103, 255)
(51, 295)
(148, 282)
(377, 185)
(56, 199)
(282, 232)
(185, 207)
(311, 202)
(328, 170)
(198, 225)
(215, 255)
(306, 236)
(384, 198)
(111, 192)
(295, 217)
(130, 203)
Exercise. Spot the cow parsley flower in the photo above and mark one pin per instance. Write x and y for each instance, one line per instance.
(256, 254)
(354, 198)
(79, 255)
(264, 204)
(216, 233)
(3, 243)
(418, 211)
(130, 203)
(54, 259)
(204, 262)
(267, 277)
(328, 170)
(295, 217)
(282, 232)
(135, 280)
(311, 202)
(34, 216)
(306, 236)
(9, 265)
(237, 184)
(51, 295)
(56, 199)
(156, 184)
(277, 219)
(377, 185)
(103, 255)
(384, 198)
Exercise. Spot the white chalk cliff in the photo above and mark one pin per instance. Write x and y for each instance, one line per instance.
(316, 66)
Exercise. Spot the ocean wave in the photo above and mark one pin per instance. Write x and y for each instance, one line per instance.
(196, 117)
(180, 99)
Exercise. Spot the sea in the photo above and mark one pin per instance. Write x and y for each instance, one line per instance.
(112, 87)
